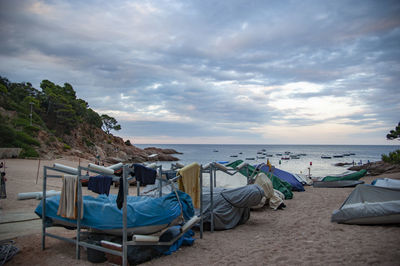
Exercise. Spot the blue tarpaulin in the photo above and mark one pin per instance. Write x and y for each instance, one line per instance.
(102, 212)
(288, 177)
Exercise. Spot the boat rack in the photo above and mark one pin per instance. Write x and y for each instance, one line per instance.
(137, 240)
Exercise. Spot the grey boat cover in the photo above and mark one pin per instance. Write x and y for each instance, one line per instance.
(368, 204)
(231, 206)
(337, 184)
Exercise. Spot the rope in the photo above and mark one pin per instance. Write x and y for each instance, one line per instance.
(7, 251)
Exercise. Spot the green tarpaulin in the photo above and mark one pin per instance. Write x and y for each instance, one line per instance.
(277, 183)
(353, 176)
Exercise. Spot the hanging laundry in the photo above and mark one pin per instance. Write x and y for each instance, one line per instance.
(67, 206)
(100, 184)
(145, 175)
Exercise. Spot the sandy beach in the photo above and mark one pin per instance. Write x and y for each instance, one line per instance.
(301, 234)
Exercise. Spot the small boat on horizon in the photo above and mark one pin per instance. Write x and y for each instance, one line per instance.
(250, 158)
(234, 155)
(326, 157)
(285, 158)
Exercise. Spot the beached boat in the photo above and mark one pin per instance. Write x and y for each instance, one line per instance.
(368, 204)
(337, 184)
(352, 176)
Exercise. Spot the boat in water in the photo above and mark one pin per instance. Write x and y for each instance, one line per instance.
(338, 156)
(326, 157)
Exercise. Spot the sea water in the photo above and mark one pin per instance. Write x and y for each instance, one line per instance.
(309, 162)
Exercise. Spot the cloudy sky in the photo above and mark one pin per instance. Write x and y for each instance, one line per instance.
(270, 72)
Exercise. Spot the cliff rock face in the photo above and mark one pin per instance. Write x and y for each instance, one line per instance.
(94, 144)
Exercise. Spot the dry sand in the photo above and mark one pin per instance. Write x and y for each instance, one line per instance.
(301, 234)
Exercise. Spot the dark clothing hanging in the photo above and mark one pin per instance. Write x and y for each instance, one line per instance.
(120, 197)
(100, 184)
(145, 175)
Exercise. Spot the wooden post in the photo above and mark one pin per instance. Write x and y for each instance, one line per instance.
(37, 173)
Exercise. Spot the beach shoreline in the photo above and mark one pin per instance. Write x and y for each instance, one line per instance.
(300, 234)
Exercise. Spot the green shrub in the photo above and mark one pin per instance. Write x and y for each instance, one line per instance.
(25, 138)
(28, 152)
(393, 157)
(7, 136)
(31, 130)
(66, 147)
(21, 122)
(88, 142)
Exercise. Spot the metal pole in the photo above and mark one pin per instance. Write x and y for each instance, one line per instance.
(31, 103)
(160, 182)
(211, 201)
(201, 202)
(78, 221)
(44, 207)
(125, 215)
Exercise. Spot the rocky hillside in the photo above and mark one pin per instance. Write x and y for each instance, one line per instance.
(88, 142)
(53, 122)
(94, 144)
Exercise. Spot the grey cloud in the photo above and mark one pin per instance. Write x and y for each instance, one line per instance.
(106, 49)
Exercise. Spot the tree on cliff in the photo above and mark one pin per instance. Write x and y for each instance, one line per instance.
(109, 123)
(393, 157)
(394, 134)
